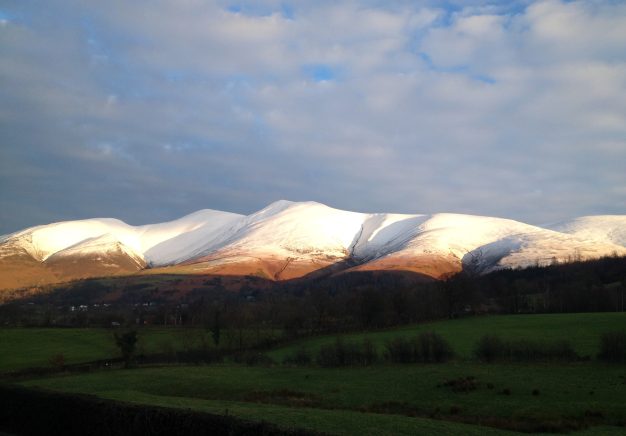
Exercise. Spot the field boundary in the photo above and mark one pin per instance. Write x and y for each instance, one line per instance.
(28, 411)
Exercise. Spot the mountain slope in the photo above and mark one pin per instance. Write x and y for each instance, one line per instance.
(292, 239)
(99, 256)
(599, 228)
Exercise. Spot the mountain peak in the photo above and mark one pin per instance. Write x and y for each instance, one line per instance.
(290, 239)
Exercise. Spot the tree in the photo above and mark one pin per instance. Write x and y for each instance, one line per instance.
(127, 342)
(215, 330)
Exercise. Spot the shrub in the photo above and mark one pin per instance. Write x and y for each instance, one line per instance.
(613, 347)
(370, 356)
(331, 355)
(537, 420)
(461, 384)
(490, 348)
(58, 361)
(252, 358)
(347, 353)
(434, 348)
(562, 350)
(528, 351)
(428, 347)
(399, 350)
(127, 342)
(455, 410)
(302, 356)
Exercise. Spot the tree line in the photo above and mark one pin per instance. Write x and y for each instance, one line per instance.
(345, 302)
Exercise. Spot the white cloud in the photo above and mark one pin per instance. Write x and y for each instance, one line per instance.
(427, 109)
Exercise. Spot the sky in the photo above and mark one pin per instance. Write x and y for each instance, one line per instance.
(150, 110)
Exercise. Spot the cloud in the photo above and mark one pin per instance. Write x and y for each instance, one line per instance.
(149, 110)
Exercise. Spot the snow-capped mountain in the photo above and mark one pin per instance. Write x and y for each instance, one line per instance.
(291, 239)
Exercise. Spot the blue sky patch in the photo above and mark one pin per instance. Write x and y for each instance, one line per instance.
(320, 72)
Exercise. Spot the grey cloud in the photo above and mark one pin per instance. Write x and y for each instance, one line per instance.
(147, 111)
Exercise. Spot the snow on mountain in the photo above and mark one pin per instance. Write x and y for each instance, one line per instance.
(312, 231)
(41, 242)
(106, 244)
(599, 228)
(382, 234)
(306, 236)
(286, 229)
(190, 239)
(483, 243)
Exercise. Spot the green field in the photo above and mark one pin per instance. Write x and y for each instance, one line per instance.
(381, 399)
(34, 347)
(282, 395)
(583, 330)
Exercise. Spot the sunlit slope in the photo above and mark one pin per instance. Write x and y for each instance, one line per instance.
(294, 239)
(600, 228)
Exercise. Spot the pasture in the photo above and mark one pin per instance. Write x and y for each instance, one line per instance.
(582, 330)
(461, 396)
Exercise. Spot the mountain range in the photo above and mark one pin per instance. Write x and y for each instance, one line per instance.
(287, 240)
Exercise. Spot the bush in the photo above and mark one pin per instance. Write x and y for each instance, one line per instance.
(537, 420)
(302, 356)
(613, 347)
(434, 348)
(127, 342)
(347, 354)
(461, 384)
(400, 350)
(428, 347)
(528, 351)
(58, 362)
(490, 348)
(252, 358)
(370, 356)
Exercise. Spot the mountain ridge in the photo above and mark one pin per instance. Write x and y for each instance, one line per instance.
(291, 239)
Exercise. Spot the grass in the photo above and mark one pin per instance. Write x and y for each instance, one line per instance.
(34, 347)
(583, 330)
(376, 400)
(391, 391)
(339, 422)
(28, 348)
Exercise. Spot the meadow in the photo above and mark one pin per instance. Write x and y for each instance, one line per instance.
(343, 400)
(462, 396)
(23, 348)
(582, 330)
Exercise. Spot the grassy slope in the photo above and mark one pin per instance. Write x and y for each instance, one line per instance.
(32, 347)
(25, 348)
(339, 422)
(331, 399)
(565, 390)
(581, 329)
